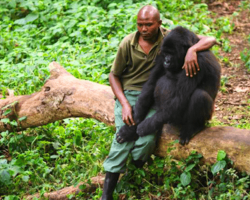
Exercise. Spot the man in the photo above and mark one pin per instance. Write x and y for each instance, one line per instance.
(131, 68)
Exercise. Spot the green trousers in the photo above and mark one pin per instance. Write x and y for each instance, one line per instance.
(140, 149)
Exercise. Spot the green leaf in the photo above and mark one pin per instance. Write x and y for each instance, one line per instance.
(20, 21)
(13, 123)
(5, 120)
(11, 104)
(221, 155)
(25, 178)
(3, 162)
(6, 112)
(31, 17)
(56, 144)
(82, 187)
(4, 177)
(189, 167)
(12, 3)
(54, 156)
(22, 118)
(218, 166)
(14, 170)
(185, 178)
(77, 140)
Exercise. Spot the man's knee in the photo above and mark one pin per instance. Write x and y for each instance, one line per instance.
(144, 147)
(147, 141)
(149, 145)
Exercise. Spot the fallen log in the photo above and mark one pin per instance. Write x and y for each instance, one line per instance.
(64, 193)
(235, 142)
(64, 96)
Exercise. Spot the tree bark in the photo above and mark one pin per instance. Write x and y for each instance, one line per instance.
(235, 142)
(64, 96)
(63, 194)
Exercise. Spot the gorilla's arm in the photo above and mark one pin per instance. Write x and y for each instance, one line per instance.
(146, 98)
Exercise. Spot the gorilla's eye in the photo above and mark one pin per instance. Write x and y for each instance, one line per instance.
(167, 59)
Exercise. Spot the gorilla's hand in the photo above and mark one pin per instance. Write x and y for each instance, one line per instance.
(127, 133)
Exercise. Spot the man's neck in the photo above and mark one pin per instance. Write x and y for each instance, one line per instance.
(146, 45)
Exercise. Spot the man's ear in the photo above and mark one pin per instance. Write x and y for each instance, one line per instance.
(160, 22)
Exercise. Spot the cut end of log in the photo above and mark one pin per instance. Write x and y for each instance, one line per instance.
(56, 70)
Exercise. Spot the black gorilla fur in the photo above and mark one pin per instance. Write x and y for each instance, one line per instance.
(180, 100)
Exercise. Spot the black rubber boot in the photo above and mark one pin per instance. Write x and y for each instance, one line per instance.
(109, 185)
(138, 163)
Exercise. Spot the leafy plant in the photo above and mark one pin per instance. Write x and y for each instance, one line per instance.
(245, 56)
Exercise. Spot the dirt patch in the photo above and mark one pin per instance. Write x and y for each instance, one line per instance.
(233, 100)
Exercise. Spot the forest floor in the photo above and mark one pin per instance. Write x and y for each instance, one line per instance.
(233, 100)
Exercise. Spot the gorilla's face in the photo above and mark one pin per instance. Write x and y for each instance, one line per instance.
(173, 53)
(167, 61)
(169, 57)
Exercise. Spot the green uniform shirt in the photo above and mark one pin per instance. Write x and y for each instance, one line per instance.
(131, 64)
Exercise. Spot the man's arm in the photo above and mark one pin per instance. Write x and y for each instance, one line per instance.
(116, 86)
(191, 64)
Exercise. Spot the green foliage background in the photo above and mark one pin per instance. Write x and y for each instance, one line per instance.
(83, 36)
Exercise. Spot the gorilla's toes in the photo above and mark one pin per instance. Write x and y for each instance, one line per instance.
(184, 140)
(119, 139)
(126, 133)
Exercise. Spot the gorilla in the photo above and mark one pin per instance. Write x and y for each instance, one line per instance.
(179, 100)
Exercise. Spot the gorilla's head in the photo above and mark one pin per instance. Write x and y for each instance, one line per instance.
(174, 48)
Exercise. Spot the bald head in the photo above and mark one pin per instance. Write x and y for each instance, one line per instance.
(148, 23)
(149, 12)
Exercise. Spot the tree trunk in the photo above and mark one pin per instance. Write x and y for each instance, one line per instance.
(64, 96)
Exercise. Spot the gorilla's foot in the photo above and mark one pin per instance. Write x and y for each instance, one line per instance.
(126, 133)
(184, 140)
(144, 128)
(185, 137)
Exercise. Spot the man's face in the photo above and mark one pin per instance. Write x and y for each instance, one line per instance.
(148, 26)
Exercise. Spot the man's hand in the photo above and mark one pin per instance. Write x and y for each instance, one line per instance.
(127, 111)
(191, 65)
(127, 114)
